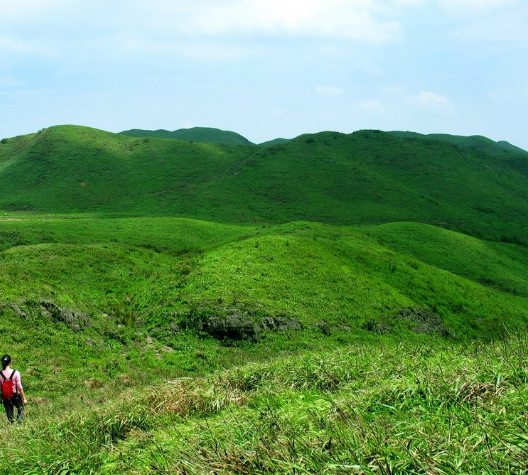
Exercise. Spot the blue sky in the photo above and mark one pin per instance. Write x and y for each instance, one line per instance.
(266, 68)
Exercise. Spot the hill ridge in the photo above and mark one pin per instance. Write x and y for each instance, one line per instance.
(367, 177)
(194, 134)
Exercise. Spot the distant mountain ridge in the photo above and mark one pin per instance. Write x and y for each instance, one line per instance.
(472, 185)
(473, 141)
(213, 135)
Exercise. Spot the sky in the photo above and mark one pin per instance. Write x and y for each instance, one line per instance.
(266, 68)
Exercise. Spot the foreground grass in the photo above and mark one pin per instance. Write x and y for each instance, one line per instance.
(374, 407)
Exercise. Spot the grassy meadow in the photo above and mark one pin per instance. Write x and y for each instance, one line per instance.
(333, 304)
(367, 382)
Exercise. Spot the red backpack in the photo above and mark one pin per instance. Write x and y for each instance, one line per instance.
(8, 386)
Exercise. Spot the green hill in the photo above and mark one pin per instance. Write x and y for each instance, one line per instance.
(472, 142)
(278, 141)
(355, 278)
(368, 177)
(194, 134)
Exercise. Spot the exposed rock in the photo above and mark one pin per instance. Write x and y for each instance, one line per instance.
(425, 321)
(235, 323)
(376, 327)
(74, 319)
(13, 306)
(324, 327)
(282, 323)
(233, 326)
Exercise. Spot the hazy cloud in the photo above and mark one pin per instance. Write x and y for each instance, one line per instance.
(138, 26)
(154, 64)
(328, 90)
(365, 20)
(432, 101)
(373, 106)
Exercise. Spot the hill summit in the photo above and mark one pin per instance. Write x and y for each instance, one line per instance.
(194, 134)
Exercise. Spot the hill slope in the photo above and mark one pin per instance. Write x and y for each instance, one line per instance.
(171, 271)
(472, 142)
(368, 177)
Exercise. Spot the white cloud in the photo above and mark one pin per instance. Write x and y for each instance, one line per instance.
(476, 6)
(373, 106)
(365, 20)
(434, 102)
(427, 99)
(329, 90)
(135, 27)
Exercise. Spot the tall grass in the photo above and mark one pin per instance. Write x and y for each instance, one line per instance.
(392, 408)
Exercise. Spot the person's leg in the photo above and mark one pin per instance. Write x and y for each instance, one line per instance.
(19, 404)
(8, 405)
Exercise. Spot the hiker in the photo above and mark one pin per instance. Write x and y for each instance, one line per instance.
(12, 391)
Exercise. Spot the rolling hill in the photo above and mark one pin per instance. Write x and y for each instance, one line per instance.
(368, 177)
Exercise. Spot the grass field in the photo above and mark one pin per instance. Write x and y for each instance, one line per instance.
(384, 408)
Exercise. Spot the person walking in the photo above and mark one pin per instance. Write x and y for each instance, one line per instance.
(12, 391)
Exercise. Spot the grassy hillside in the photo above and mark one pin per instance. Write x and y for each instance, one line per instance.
(472, 142)
(278, 141)
(194, 134)
(169, 345)
(161, 272)
(362, 178)
(76, 169)
(334, 304)
(194, 287)
(110, 322)
(497, 265)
